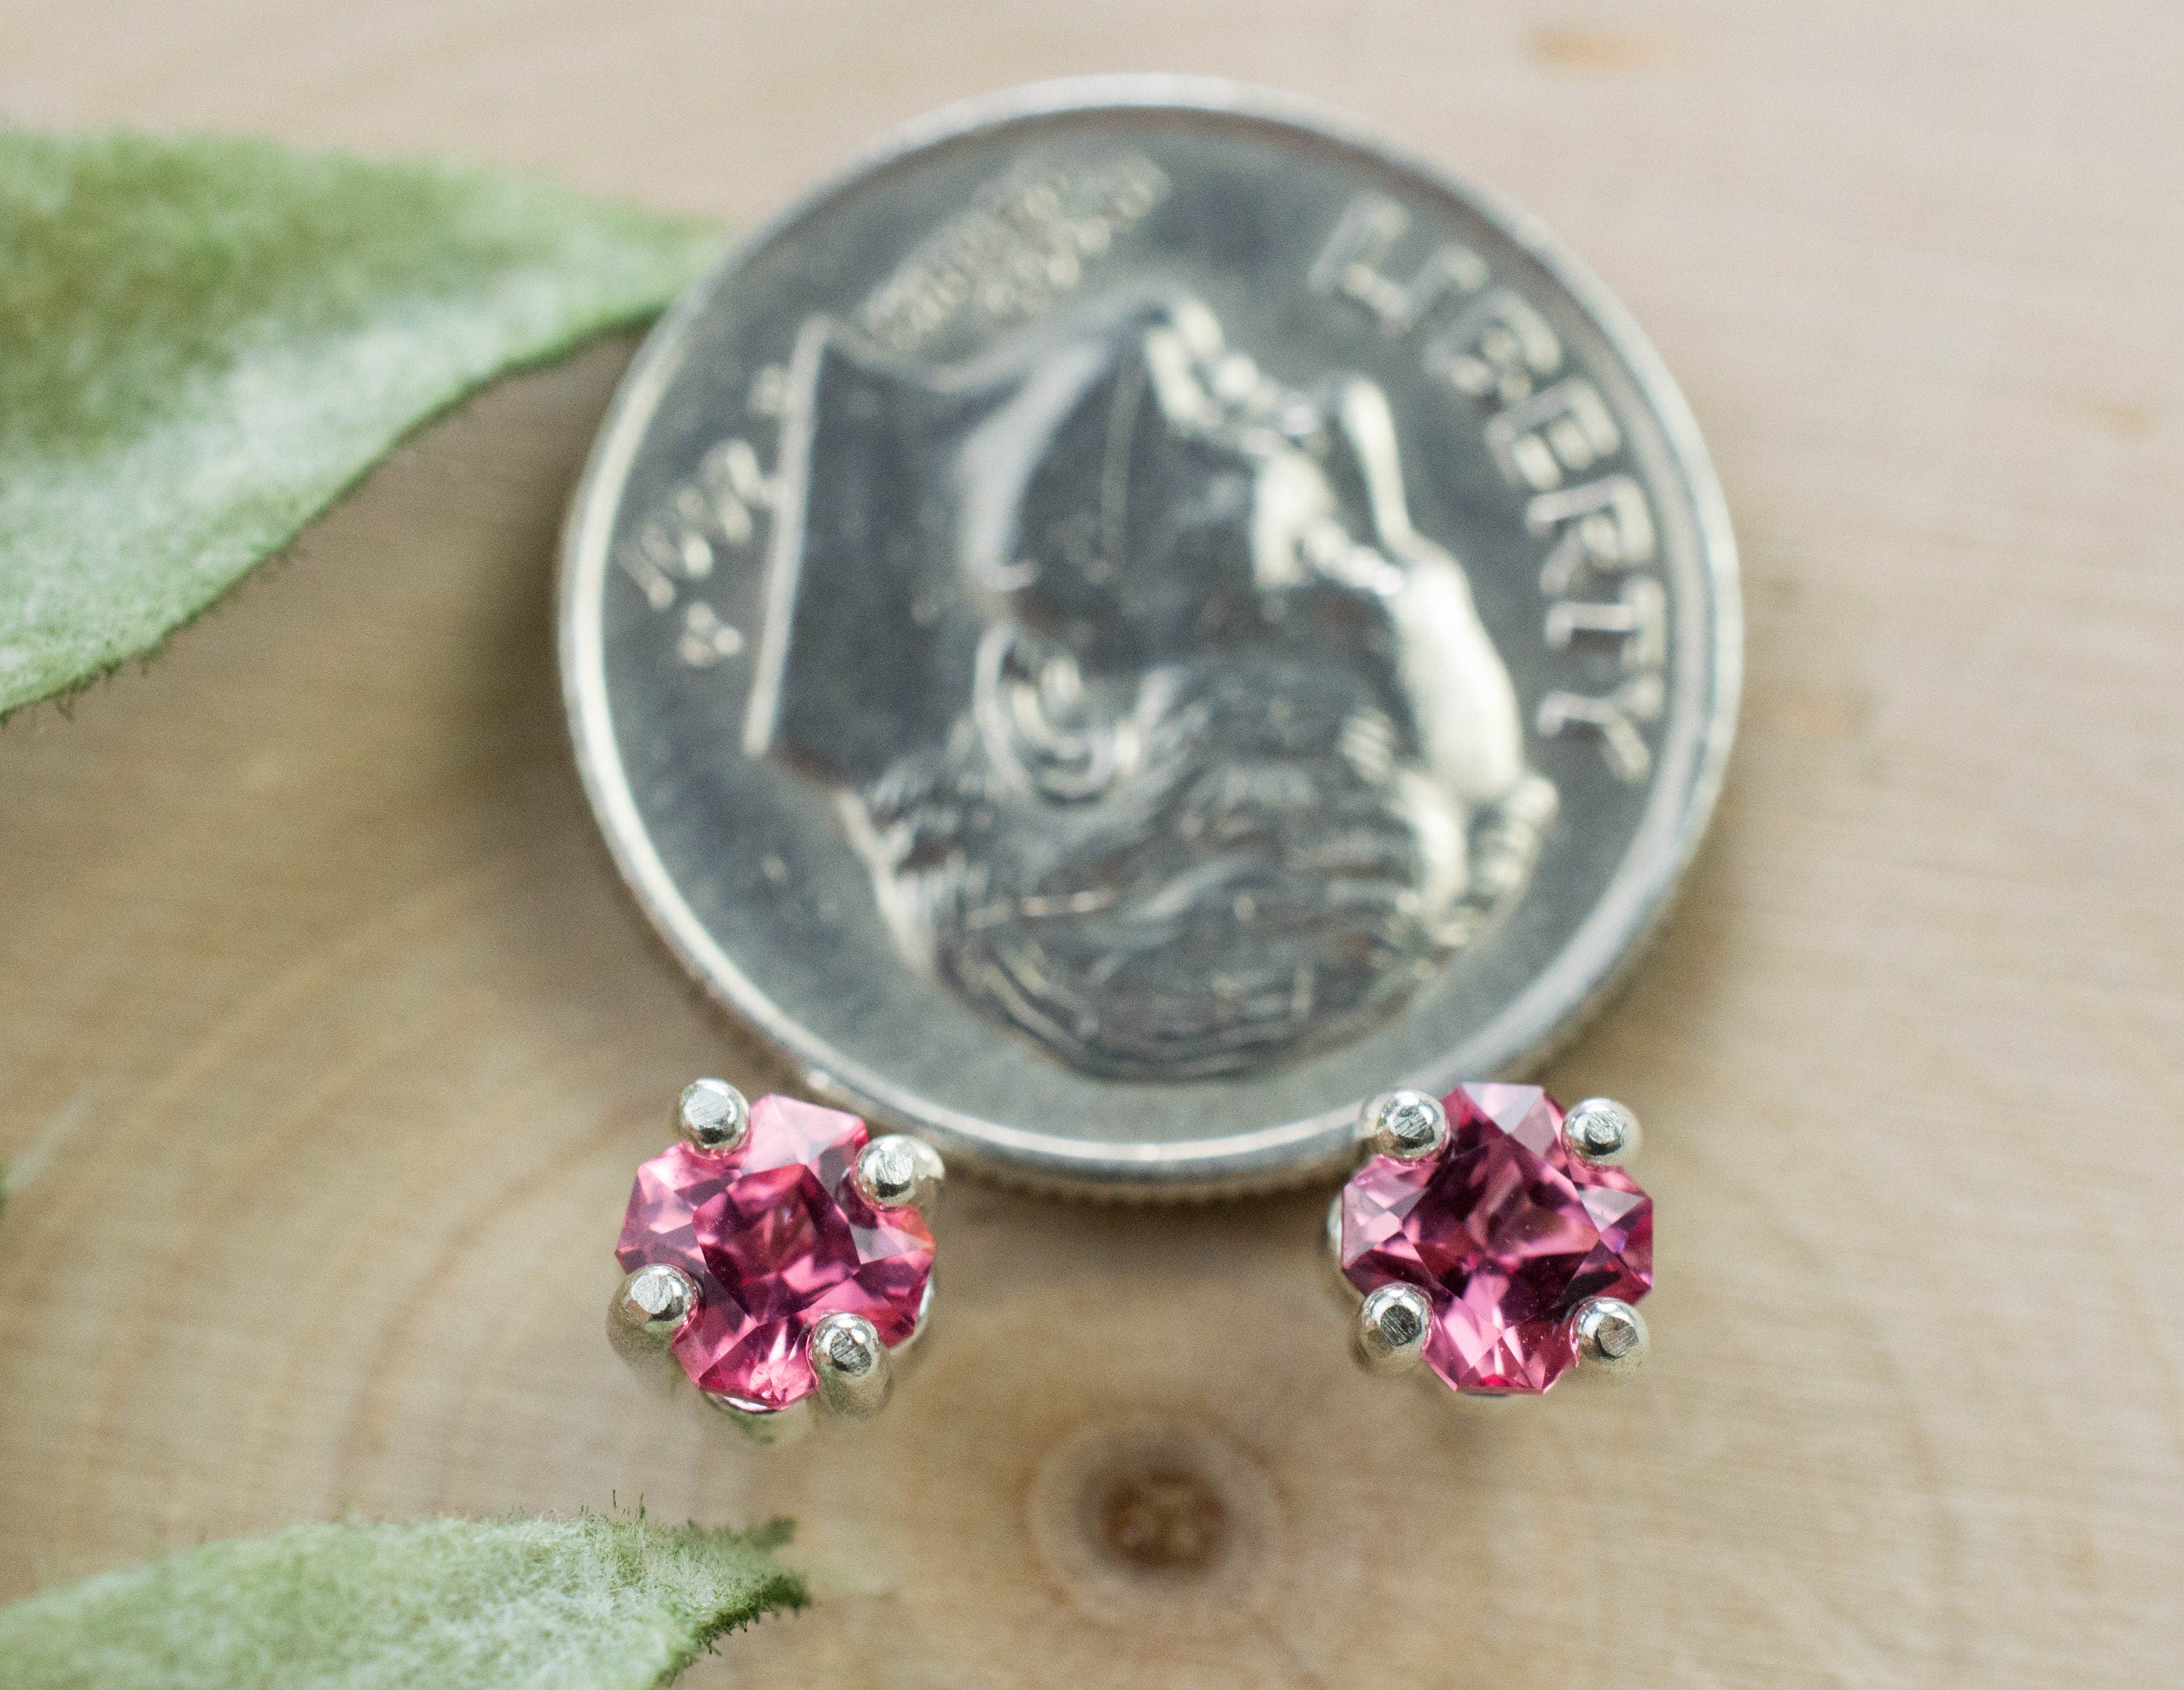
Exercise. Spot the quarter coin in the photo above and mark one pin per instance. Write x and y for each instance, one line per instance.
(1140, 618)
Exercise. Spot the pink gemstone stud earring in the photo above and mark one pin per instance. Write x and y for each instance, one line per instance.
(1495, 1238)
(780, 1254)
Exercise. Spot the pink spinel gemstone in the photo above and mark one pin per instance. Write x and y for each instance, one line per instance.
(1505, 1232)
(776, 1239)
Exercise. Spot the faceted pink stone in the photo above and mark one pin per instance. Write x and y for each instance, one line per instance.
(1505, 1232)
(776, 1239)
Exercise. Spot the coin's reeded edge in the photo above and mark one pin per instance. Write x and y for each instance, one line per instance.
(1591, 964)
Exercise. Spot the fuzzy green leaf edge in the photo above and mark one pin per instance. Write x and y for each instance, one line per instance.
(581, 1604)
(205, 341)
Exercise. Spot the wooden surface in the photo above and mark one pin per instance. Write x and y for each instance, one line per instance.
(328, 1038)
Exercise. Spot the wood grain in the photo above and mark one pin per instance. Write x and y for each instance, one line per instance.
(328, 1037)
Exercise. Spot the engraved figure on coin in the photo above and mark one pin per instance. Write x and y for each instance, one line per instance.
(1488, 343)
(1168, 740)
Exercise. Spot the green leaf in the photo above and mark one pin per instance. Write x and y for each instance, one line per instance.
(204, 343)
(587, 1604)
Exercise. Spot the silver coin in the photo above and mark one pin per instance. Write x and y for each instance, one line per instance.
(1137, 618)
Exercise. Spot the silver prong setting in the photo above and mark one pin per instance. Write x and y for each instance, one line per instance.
(1602, 1131)
(852, 1365)
(713, 1117)
(1338, 1286)
(651, 1306)
(767, 1426)
(1610, 1336)
(899, 1172)
(654, 1301)
(1392, 1324)
(1407, 1125)
(907, 1348)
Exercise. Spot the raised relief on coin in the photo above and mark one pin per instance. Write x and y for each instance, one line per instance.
(1026, 239)
(1134, 584)
(1168, 740)
(1496, 350)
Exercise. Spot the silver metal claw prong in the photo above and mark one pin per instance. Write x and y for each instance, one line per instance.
(1610, 1336)
(1392, 1323)
(769, 1427)
(712, 1115)
(1601, 1130)
(908, 1350)
(900, 1172)
(1345, 1294)
(650, 1308)
(855, 1374)
(1407, 1125)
